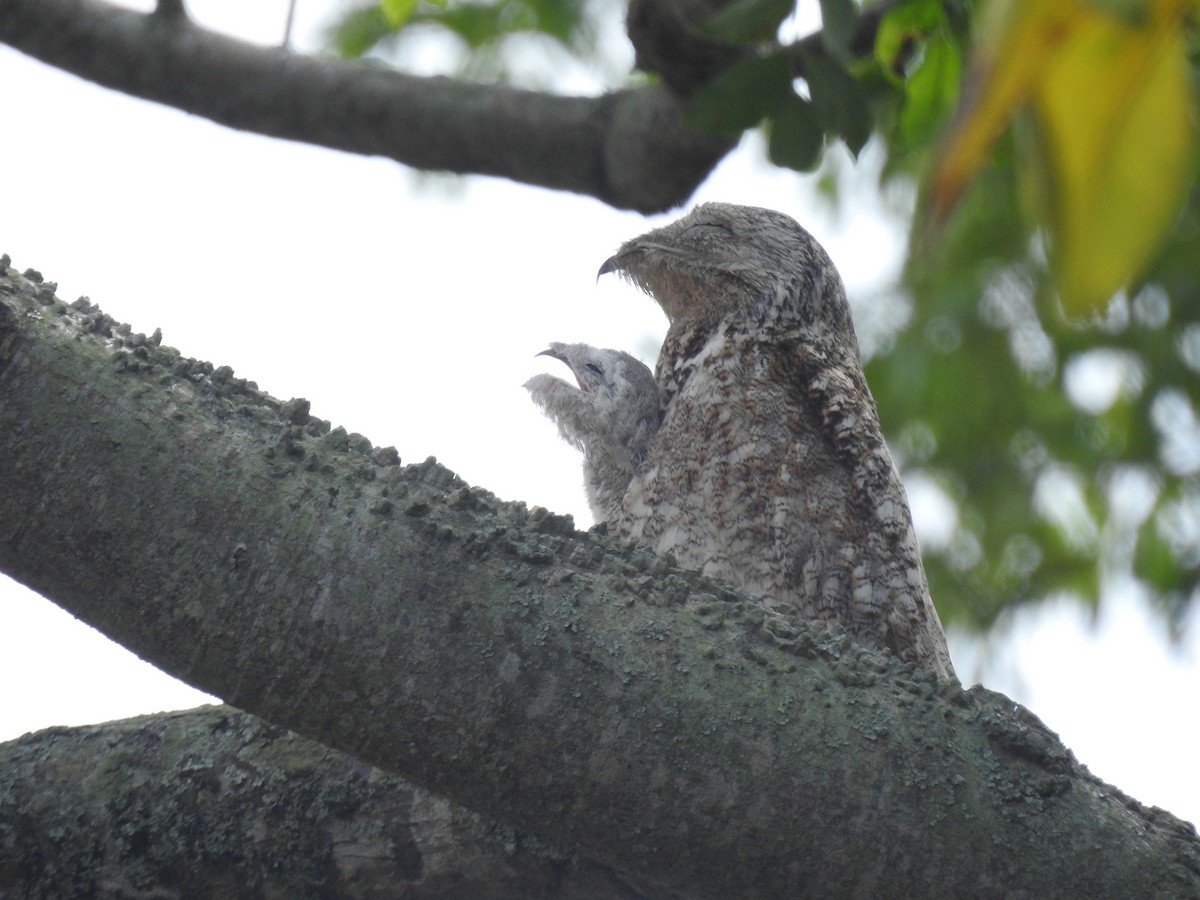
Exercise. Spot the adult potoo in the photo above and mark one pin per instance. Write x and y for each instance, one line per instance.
(769, 471)
(611, 417)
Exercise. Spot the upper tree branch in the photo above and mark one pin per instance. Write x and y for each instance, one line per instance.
(686, 737)
(628, 148)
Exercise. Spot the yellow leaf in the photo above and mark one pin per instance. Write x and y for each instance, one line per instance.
(1112, 105)
(1113, 115)
(1016, 40)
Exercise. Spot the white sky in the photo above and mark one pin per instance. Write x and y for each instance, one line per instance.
(422, 307)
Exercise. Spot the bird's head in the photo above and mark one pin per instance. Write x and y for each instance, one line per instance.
(609, 373)
(721, 259)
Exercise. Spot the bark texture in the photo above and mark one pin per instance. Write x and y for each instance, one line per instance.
(556, 681)
(216, 803)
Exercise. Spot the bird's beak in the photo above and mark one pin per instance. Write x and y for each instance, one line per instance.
(632, 253)
(612, 264)
(553, 354)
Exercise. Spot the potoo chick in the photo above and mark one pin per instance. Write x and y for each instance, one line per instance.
(769, 471)
(611, 416)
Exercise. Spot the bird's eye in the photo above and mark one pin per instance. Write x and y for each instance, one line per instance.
(595, 369)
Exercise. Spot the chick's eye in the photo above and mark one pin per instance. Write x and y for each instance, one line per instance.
(595, 369)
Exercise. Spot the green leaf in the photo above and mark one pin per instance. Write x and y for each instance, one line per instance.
(930, 92)
(397, 12)
(904, 28)
(477, 23)
(741, 96)
(838, 18)
(748, 21)
(561, 19)
(1153, 560)
(797, 138)
(839, 100)
(359, 31)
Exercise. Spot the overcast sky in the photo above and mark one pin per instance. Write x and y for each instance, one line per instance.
(410, 310)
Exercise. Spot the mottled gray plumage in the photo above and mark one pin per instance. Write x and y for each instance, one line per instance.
(611, 416)
(770, 471)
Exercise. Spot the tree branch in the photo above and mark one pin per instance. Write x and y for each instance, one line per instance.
(628, 148)
(231, 806)
(555, 681)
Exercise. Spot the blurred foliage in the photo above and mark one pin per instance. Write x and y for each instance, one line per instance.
(1046, 377)
(1109, 139)
(485, 40)
(1041, 376)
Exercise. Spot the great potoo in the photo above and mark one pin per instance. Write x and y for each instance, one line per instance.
(611, 416)
(769, 471)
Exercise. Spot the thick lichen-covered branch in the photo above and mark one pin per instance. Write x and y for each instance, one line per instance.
(552, 680)
(221, 803)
